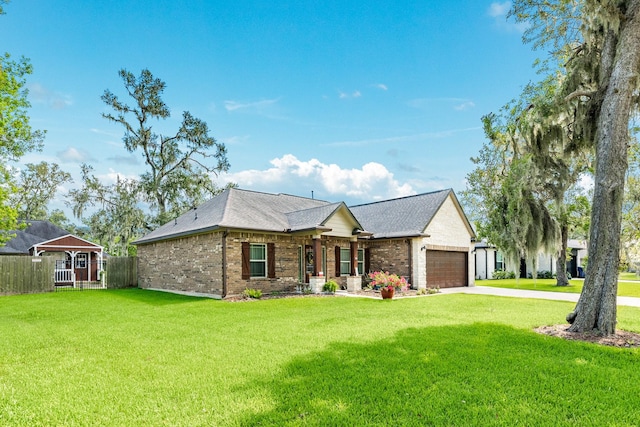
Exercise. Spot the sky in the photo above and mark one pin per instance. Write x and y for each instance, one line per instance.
(345, 100)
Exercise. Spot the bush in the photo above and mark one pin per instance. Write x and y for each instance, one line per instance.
(545, 274)
(252, 293)
(330, 286)
(501, 275)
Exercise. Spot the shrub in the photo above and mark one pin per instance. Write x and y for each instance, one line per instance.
(501, 275)
(545, 274)
(252, 293)
(330, 286)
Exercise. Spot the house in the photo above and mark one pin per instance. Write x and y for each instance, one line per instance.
(427, 238)
(277, 242)
(78, 261)
(488, 259)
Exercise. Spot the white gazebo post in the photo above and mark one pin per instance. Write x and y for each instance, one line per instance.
(99, 269)
(73, 254)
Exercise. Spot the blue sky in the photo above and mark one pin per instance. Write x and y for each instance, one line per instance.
(355, 101)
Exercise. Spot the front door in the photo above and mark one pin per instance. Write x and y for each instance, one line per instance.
(82, 267)
(308, 262)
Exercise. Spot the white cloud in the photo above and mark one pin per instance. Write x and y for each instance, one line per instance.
(499, 12)
(112, 177)
(54, 100)
(73, 155)
(373, 181)
(458, 104)
(345, 95)
(464, 106)
(253, 106)
(381, 86)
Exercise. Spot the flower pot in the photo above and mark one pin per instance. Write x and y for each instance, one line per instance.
(387, 293)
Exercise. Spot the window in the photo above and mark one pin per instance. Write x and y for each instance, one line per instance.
(258, 260)
(81, 261)
(345, 262)
(499, 261)
(361, 262)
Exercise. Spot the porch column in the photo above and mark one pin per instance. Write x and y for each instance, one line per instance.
(354, 281)
(73, 254)
(317, 256)
(353, 246)
(316, 282)
(99, 269)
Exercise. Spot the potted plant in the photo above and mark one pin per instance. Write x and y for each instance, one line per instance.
(387, 283)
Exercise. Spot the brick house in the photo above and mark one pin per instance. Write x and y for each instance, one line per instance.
(276, 242)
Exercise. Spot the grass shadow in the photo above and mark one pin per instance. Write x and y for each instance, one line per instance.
(156, 298)
(479, 374)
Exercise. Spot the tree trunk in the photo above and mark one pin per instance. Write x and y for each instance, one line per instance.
(596, 308)
(561, 263)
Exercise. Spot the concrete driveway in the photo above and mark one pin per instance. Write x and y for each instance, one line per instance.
(521, 293)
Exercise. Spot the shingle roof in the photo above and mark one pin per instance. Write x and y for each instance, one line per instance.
(36, 232)
(244, 209)
(402, 217)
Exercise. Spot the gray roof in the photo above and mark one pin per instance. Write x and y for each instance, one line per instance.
(248, 210)
(403, 217)
(36, 232)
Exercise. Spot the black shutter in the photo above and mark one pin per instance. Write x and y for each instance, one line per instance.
(246, 267)
(271, 260)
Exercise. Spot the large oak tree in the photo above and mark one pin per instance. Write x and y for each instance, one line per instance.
(601, 39)
(179, 165)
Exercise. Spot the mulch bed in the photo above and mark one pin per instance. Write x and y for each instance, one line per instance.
(619, 339)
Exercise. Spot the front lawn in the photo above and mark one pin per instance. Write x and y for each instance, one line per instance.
(625, 288)
(142, 358)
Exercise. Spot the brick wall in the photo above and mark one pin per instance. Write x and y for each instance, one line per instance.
(392, 256)
(286, 248)
(192, 264)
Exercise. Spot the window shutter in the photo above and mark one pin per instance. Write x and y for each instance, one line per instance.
(271, 260)
(367, 261)
(337, 261)
(246, 268)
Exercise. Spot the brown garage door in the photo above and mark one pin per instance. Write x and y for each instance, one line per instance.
(446, 269)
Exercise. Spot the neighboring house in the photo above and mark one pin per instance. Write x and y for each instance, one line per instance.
(489, 259)
(276, 242)
(78, 261)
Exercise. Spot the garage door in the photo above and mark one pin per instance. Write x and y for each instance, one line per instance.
(446, 269)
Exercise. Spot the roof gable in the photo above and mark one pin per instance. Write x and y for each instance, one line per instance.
(68, 241)
(245, 210)
(402, 217)
(405, 216)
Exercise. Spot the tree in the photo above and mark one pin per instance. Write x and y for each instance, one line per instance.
(119, 220)
(37, 186)
(600, 93)
(179, 165)
(16, 135)
(524, 175)
(631, 212)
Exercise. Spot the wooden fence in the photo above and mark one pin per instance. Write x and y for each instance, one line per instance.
(122, 272)
(25, 274)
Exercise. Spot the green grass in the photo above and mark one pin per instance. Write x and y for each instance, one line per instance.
(143, 358)
(629, 276)
(627, 289)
